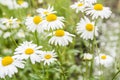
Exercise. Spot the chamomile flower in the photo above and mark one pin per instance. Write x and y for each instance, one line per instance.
(35, 24)
(98, 10)
(29, 50)
(79, 6)
(103, 59)
(61, 38)
(9, 65)
(53, 22)
(87, 56)
(48, 57)
(45, 12)
(40, 1)
(87, 29)
(11, 23)
(14, 4)
(22, 4)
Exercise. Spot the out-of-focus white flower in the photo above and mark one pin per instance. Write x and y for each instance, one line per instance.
(22, 4)
(6, 35)
(79, 6)
(40, 1)
(104, 60)
(2, 26)
(87, 56)
(11, 23)
(6, 50)
(44, 12)
(20, 34)
(14, 4)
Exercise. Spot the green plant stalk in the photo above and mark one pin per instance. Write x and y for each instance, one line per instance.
(11, 37)
(47, 74)
(60, 63)
(36, 37)
(87, 68)
(115, 75)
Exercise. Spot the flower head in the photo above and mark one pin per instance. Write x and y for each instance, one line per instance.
(45, 12)
(48, 57)
(9, 65)
(87, 29)
(52, 22)
(98, 10)
(29, 50)
(61, 38)
(79, 6)
(35, 24)
(103, 59)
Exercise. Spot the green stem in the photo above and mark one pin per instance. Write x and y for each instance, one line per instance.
(87, 70)
(11, 37)
(60, 62)
(36, 37)
(47, 74)
(115, 75)
(60, 65)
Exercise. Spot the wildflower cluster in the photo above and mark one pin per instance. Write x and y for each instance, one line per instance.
(42, 38)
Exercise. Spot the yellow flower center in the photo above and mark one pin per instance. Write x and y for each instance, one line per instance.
(89, 27)
(20, 2)
(7, 61)
(103, 57)
(51, 17)
(59, 33)
(98, 7)
(80, 4)
(37, 19)
(48, 56)
(46, 13)
(29, 51)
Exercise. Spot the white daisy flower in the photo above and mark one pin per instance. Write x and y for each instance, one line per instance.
(14, 4)
(11, 23)
(53, 22)
(22, 4)
(40, 1)
(35, 24)
(87, 29)
(98, 10)
(103, 59)
(29, 50)
(48, 57)
(79, 6)
(9, 65)
(87, 56)
(45, 12)
(61, 38)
